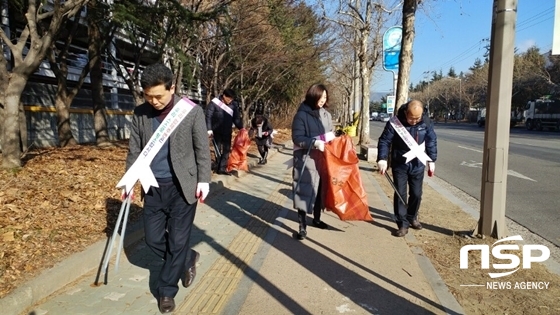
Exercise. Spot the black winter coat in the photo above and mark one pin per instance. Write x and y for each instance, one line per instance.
(391, 141)
(221, 122)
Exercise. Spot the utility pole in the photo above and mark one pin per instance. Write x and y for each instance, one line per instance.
(460, 94)
(498, 108)
(426, 74)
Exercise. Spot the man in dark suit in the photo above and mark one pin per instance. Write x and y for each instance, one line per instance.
(182, 168)
(221, 114)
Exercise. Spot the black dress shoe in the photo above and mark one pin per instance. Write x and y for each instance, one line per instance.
(190, 274)
(416, 225)
(166, 304)
(320, 224)
(225, 173)
(400, 232)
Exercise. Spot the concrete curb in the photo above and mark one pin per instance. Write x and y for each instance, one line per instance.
(80, 264)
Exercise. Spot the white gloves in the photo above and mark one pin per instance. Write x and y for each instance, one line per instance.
(210, 133)
(431, 168)
(382, 166)
(202, 190)
(329, 136)
(319, 145)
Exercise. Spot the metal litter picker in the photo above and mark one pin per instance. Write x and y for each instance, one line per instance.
(395, 189)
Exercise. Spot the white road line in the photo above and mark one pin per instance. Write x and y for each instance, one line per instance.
(514, 173)
(467, 148)
(474, 164)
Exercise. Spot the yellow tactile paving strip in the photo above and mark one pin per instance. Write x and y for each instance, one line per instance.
(218, 284)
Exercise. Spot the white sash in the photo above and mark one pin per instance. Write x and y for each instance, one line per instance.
(141, 170)
(223, 106)
(416, 150)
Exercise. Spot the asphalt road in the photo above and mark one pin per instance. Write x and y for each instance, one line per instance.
(533, 193)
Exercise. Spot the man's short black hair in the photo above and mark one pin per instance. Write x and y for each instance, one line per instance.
(156, 74)
(229, 93)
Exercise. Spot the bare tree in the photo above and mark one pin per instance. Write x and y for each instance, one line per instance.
(27, 51)
(59, 62)
(99, 35)
(361, 17)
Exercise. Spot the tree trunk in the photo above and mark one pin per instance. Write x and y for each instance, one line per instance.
(23, 128)
(179, 79)
(62, 106)
(11, 150)
(96, 77)
(405, 59)
(4, 79)
(364, 137)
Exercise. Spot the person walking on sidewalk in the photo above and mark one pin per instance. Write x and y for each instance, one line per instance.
(182, 168)
(263, 135)
(411, 141)
(221, 114)
(312, 127)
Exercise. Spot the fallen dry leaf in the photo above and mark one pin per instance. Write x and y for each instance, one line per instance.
(60, 202)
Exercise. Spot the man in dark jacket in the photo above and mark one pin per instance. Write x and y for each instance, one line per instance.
(221, 114)
(168, 139)
(411, 141)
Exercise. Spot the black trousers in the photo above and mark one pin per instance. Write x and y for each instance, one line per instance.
(263, 150)
(317, 210)
(404, 176)
(223, 140)
(168, 221)
(262, 145)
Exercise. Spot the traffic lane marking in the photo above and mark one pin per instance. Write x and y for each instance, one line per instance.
(475, 164)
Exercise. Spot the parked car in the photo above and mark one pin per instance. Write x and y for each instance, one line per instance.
(383, 117)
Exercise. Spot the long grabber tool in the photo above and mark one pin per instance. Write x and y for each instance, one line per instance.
(216, 150)
(395, 189)
(123, 217)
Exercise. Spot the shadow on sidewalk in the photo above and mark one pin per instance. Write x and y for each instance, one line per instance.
(242, 208)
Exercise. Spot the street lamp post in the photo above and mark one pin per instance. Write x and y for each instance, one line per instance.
(460, 100)
(426, 73)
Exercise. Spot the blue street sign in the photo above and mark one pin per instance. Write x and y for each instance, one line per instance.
(392, 48)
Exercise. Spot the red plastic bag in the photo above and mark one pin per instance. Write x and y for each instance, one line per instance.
(345, 193)
(238, 157)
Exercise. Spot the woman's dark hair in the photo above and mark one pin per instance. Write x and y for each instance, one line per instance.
(156, 74)
(314, 94)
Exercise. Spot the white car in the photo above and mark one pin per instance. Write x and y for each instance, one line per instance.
(383, 117)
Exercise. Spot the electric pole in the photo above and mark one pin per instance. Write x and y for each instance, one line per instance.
(498, 108)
